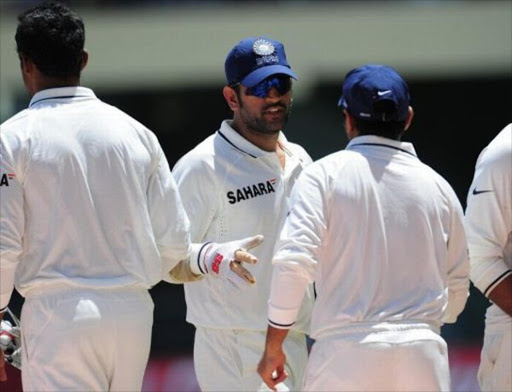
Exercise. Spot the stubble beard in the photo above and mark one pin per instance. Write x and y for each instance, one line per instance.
(258, 123)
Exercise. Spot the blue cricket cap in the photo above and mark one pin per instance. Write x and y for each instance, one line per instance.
(371, 83)
(254, 59)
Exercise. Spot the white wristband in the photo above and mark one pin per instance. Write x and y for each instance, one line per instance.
(195, 260)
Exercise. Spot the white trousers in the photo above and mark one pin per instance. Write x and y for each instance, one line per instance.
(85, 340)
(495, 371)
(226, 360)
(345, 365)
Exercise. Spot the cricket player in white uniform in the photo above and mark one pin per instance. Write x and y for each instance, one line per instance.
(489, 231)
(90, 219)
(382, 236)
(234, 184)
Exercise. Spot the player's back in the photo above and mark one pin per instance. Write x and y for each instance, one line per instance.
(84, 167)
(385, 252)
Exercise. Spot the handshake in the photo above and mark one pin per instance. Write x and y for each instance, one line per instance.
(225, 260)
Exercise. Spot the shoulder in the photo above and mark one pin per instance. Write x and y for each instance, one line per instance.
(15, 122)
(199, 159)
(498, 153)
(13, 131)
(330, 165)
(119, 115)
(300, 151)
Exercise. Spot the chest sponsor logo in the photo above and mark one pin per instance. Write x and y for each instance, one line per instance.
(4, 180)
(255, 190)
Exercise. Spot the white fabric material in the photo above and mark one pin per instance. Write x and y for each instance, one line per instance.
(85, 340)
(348, 365)
(489, 219)
(90, 200)
(494, 373)
(489, 228)
(382, 237)
(231, 189)
(226, 360)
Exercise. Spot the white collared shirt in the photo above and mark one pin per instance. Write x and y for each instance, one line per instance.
(88, 200)
(380, 234)
(489, 219)
(231, 189)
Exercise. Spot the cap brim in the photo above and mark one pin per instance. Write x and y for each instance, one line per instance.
(264, 72)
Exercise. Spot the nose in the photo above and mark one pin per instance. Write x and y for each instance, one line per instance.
(273, 94)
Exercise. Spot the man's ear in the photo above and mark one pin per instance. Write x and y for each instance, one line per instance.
(27, 66)
(350, 125)
(85, 59)
(231, 98)
(410, 115)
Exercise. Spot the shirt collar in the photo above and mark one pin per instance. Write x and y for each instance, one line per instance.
(243, 145)
(61, 93)
(373, 140)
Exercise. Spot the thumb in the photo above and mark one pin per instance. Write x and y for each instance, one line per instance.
(251, 242)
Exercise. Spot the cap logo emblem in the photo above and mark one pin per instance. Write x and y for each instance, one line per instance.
(263, 47)
(381, 93)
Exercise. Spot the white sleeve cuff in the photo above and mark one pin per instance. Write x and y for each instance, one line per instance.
(496, 282)
(196, 265)
(287, 290)
(487, 272)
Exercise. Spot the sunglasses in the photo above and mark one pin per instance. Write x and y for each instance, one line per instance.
(283, 84)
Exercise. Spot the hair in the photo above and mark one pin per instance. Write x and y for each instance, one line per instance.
(387, 129)
(52, 36)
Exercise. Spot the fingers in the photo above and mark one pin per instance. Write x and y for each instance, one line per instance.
(279, 375)
(270, 374)
(243, 255)
(252, 242)
(237, 268)
(246, 257)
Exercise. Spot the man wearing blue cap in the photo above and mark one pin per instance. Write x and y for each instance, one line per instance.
(236, 184)
(381, 235)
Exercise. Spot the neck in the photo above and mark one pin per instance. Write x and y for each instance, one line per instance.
(46, 83)
(267, 142)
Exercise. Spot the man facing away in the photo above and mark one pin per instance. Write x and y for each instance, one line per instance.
(90, 219)
(236, 183)
(489, 228)
(381, 235)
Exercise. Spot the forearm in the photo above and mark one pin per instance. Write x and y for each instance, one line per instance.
(186, 270)
(275, 339)
(501, 295)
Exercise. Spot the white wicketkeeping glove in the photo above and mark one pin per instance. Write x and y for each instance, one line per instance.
(225, 260)
(10, 341)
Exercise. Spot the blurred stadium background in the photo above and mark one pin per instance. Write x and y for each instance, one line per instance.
(162, 62)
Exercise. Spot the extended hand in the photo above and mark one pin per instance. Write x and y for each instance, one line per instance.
(225, 260)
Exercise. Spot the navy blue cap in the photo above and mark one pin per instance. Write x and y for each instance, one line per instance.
(371, 83)
(254, 59)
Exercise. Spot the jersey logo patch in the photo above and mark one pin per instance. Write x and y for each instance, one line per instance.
(475, 192)
(255, 190)
(4, 180)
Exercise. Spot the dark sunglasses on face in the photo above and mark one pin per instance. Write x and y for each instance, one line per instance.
(283, 84)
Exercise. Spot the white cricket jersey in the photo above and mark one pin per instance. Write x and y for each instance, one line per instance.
(382, 236)
(232, 189)
(87, 198)
(489, 219)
